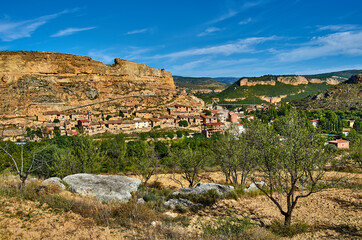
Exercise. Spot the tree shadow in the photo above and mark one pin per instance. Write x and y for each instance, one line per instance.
(346, 231)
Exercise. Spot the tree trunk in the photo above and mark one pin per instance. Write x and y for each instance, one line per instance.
(287, 219)
(22, 184)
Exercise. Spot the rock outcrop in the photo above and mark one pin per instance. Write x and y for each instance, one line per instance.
(33, 82)
(175, 203)
(205, 187)
(272, 100)
(247, 82)
(292, 80)
(355, 79)
(108, 188)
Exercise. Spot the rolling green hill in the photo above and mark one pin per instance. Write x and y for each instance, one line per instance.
(250, 93)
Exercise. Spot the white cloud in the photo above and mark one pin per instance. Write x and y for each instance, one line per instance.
(12, 30)
(188, 65)
(246, 21)
(337, 28)
(70, 31)
(228, 15)
(138, 31)
(341, 43)
(240, 46)
(209, 31)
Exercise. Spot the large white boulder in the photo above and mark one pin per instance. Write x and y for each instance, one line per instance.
(107, 188)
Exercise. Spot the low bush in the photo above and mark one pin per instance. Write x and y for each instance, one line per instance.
(227, 227)
(280, 229)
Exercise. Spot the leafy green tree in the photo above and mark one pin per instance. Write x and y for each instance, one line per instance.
(86, 152)
(161, 148)
(147, 165)
(233, 155)
(170, 135)
(291, 168)
(208, 113)
(189, 162)
(183, 123)
(115, 150)
(356, 152)
(179, 133)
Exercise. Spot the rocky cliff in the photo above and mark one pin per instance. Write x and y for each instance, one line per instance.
(294, 80)
(247, 82)
(41, 81)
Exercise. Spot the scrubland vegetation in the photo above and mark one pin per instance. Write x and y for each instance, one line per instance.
(290, 157)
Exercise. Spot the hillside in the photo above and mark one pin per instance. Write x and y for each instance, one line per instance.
(198, 83)
(268, 93)
(276, 88)
(344, 96)
(33, 82)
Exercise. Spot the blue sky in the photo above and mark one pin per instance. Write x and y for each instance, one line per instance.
(212, 38)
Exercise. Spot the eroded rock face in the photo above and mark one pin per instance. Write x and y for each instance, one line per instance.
(108, 188)
(246, 82)
(292, 80)
(31, 82)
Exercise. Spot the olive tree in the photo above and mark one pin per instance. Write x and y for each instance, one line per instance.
(290, 160)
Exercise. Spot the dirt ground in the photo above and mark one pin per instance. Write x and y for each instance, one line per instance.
(332, 213)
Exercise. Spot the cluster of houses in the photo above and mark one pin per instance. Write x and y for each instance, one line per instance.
(208, 119)
(339, 143)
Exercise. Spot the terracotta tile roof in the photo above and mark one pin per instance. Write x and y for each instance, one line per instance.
(339, 141)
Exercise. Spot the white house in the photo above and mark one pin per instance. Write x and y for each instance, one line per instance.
(141, 124)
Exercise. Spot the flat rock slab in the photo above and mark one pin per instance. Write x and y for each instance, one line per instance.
(205, 187)
(173, 203)
(107, 188)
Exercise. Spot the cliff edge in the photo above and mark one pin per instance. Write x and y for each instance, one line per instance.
(43, 81)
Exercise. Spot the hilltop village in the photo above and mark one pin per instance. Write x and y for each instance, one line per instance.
(207, 119)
